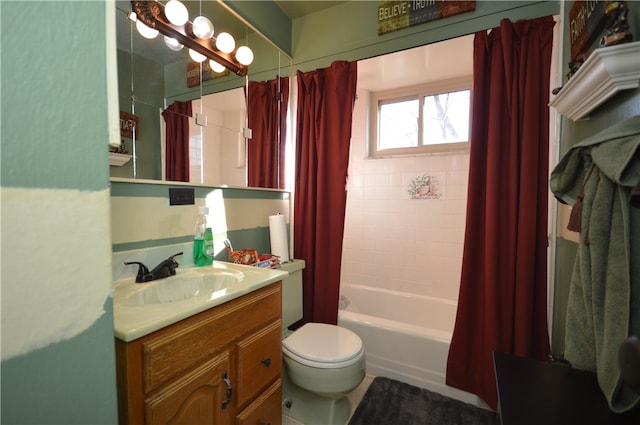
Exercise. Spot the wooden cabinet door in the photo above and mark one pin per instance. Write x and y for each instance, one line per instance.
(259, 362)
(266, 409)
(199, 397)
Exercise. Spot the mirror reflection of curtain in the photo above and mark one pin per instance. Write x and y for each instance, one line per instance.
(502, 305)
(268, 102)
(323, 138)
(176, 118)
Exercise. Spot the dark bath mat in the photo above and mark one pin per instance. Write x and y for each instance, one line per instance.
(391, 402)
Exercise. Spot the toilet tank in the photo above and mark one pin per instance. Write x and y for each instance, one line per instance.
(292, 293)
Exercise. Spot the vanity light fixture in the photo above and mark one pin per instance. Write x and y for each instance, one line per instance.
(225, 42)
(172, 43)
(152, 17)
(202, 27)
(176, 12)
(215, 66)
(196, 56)
(244, 55)
(146, 31)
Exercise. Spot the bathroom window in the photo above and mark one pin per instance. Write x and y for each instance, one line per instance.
(195, 149)
(428, 118)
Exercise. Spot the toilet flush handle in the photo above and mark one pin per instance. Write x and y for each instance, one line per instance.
(266, 362)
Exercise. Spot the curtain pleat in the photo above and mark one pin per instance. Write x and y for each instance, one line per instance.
(267, 106)
(503, 289)
(325, 104)
(176, 118)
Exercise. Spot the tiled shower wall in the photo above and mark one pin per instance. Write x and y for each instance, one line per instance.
(392, 241)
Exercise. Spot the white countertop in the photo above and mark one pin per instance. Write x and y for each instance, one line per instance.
(132, 321)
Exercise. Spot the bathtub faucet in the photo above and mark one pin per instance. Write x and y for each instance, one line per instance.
(344, 302)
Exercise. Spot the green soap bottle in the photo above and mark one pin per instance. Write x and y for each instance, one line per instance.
(203, 240)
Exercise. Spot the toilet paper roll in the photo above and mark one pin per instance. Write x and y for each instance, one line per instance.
(278, 236)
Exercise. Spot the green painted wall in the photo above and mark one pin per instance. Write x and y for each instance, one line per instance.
(349, 31)
(54, 137)
(53, 122)
(267, 18)
(621, 106)
(71, 382)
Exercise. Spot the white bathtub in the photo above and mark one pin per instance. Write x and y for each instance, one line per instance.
(406, 336)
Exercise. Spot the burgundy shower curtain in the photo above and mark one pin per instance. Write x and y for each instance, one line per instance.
(176, 118)
(503, 297)
(267, 106)
(325, 104)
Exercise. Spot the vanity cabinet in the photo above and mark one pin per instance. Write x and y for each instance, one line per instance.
(220, 366)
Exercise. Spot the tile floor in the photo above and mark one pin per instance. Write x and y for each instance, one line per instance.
(354, 396)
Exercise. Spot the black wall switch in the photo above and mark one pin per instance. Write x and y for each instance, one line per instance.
(181, 196)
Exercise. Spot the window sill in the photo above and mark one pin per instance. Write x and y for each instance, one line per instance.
(426, 150)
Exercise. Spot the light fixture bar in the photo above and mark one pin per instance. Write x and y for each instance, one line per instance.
(151, 13)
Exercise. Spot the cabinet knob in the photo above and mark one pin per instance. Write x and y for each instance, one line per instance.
(266, 362)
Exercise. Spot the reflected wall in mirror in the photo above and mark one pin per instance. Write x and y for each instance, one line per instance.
(151, 77)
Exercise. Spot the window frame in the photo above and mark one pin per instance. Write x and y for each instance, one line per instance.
(412, 92)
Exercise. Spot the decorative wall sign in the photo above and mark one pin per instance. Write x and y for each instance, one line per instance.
(395, 15)
(193, 73)
(128, 124)
(426, 187)
(586, 21)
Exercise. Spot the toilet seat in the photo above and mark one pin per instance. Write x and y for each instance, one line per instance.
(323, 346)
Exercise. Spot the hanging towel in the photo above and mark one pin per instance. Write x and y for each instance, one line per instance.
(604, 297)
(634, 199)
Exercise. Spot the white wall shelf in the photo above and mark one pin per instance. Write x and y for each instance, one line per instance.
(607, 71)
(118, 159)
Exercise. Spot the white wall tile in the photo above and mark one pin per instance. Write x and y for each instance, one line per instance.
(392, 241)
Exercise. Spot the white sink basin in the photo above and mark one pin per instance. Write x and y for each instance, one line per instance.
(142, 308)
(202, 283)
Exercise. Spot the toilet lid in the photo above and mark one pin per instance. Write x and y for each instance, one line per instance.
(323, 345)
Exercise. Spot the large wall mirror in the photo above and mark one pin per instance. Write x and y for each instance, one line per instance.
(151, 77)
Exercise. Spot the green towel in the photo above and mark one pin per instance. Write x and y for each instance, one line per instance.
(604, 297)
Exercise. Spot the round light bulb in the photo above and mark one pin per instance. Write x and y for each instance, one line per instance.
(146, 31)
(225, 42)
(216, 67)
(172, 43)
(198, 57)
(176, 12)
(244, 55)
(202, 27)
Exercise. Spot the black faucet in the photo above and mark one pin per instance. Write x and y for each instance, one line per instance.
(165, 269)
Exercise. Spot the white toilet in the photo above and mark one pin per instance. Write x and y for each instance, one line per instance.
(321, 363)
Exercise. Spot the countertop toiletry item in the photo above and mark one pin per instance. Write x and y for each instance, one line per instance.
(203, 240)
(279, 237)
